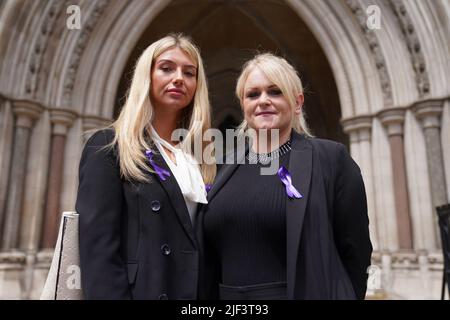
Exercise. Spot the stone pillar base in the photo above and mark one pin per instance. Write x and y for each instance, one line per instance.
(11, 275)
(407, 275)
(377, 295)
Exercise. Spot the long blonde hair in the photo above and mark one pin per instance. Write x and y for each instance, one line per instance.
(282, 74)
(132, 127)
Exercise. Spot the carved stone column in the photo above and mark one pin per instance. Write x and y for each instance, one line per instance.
(429, 112)
(6, 141)
(61, 122)
(360, 130)
(26, 113)
(393, 120)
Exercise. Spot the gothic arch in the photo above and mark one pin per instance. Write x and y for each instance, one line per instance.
(363, 67)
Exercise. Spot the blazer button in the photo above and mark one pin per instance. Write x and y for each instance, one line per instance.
(163, 297)
(165, 249)
(156, 205)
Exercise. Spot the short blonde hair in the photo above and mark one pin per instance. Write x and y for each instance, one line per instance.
(133, 124)
(282, 74)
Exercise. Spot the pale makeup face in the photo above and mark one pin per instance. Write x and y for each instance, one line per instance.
(265, 106)
(174, 81)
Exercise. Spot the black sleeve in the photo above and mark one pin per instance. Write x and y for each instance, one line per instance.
(351, 223)
(99, 205)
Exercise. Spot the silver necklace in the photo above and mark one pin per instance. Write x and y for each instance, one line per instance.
(265, 158)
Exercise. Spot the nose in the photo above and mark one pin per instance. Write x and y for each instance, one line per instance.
(264, 99)
(178, 78)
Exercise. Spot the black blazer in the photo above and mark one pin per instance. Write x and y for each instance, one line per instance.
(328, 244)
(136, 239)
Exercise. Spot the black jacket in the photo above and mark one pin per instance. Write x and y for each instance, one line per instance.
(328, 244)
(136, 239)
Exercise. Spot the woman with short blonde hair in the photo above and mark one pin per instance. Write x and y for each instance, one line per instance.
(298, 233)
(281, 73)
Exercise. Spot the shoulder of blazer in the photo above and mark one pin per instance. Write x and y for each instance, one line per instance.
(327, 149)
(101, 138)
(330, 154)
(325, 146)
(99, 142)
(335, 157)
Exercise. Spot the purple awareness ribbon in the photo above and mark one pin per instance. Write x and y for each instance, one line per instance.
(285, 177)
(208, 187)
(161, 172)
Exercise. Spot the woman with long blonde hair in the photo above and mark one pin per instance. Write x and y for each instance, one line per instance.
(139, 187)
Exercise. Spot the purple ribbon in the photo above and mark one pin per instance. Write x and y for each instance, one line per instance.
(285, 177)
(161, 172)
(208, 187)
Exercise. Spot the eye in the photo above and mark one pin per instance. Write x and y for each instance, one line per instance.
(190, 73)
(165, 68)
(252, 94)
(275, 92)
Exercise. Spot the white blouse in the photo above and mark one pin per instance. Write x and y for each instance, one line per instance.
(186, 171)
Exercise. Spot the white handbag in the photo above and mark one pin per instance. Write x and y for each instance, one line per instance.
(64, 277)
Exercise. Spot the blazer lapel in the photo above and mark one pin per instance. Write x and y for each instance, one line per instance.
(173, 191)
(300, 168)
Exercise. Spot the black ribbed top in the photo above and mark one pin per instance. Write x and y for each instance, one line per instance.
(246, 226)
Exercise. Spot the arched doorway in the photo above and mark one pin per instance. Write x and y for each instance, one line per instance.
(228, 34)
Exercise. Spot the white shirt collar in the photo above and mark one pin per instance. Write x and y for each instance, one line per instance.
(186, 170)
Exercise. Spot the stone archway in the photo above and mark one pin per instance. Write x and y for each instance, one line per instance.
(255, 26)
(391, 86)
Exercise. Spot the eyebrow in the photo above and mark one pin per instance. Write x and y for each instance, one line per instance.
(270, 87)
(167, 60)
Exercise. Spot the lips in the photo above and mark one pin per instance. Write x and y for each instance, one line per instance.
(176, 91)
(265, 113)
